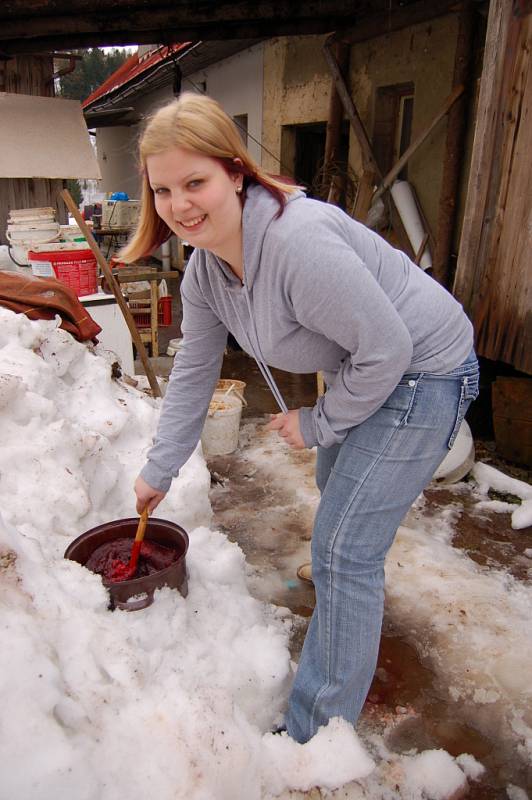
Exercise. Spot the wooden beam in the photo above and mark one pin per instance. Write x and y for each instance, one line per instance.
(422, 246)
(394, 18)
(475, 227)
(454, 147)
(418, 141)
(368, 159)
(25, 28)
(334, 129)
(146, 276)
(365, 191)
(115, 288)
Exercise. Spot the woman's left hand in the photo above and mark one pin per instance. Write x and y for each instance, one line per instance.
(287, 426)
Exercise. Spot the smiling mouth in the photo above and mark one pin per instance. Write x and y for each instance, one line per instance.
(193, 223)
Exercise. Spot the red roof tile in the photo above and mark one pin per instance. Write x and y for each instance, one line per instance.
(130, 69)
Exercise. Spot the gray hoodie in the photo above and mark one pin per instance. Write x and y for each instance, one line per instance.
(320, 292)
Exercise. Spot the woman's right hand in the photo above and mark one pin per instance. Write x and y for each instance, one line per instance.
(147, 496)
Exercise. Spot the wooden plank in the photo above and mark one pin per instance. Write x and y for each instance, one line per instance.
(334, 129)
(454, 147)
(394, 18)
(422, 246)
(503, 311)
(418, 141)
(26, 27)
(115, 288)
(140, 275)
(365, 190)
(480, 174)
(154, 319)
(512, 418)
(368, 159)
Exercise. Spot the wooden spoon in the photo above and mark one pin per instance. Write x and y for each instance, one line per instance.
(135, 550)
(124, 572)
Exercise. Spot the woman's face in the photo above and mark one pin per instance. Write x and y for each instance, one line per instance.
(196, 198)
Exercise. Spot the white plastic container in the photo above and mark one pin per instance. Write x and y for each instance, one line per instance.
(173, 346)
(30, 226)
(120, 213)
(71, 233)
(220, 432)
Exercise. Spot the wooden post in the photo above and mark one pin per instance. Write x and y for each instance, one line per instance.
(115, 288)
(154, 319)
(334, 127)
(368, 159)
(454, 146)
(365, 190)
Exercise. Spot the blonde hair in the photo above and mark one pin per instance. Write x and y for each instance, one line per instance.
(195, 122)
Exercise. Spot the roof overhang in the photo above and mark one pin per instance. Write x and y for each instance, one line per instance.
(191, 58)
(107, 118)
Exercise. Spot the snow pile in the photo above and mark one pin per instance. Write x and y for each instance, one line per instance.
(488, 477)
(172, 701)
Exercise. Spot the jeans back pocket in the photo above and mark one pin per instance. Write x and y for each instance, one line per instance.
(468, 392)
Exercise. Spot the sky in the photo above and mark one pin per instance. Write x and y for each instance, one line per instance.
(178, 700)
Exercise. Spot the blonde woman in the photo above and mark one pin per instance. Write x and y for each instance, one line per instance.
(305, 288)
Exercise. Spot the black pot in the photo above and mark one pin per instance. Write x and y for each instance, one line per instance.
(160, 531)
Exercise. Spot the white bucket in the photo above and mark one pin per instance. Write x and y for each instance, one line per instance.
(174, 345)
(37, 214)
(72, 233)
(27, 227)
(37, 232)
(220, 432)
(232, 386)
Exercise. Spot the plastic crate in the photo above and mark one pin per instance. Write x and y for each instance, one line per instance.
(143, 318)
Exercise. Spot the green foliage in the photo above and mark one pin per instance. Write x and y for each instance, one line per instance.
(74, 188)
(95, 66)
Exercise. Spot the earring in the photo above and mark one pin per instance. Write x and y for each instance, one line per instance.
(238, 190)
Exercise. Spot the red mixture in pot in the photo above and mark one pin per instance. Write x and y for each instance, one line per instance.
(153, 558)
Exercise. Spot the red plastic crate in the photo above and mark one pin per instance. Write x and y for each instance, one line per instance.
(164, 313)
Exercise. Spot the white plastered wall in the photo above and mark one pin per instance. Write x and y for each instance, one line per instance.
(236, 83)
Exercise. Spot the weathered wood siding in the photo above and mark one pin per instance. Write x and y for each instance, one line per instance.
(494, 271)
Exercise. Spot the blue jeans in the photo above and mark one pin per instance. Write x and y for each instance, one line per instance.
(367, 485)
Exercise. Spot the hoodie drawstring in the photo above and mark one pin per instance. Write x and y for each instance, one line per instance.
(267, 375)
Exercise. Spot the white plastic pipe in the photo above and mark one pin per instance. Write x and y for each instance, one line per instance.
(405, 202)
